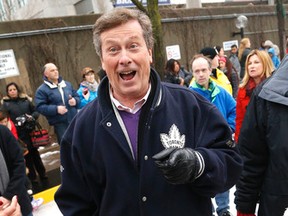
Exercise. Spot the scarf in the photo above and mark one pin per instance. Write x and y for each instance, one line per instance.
(251, 85)
(91, 86)
(4, 175)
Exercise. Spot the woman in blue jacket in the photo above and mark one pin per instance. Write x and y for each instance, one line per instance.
(275, 59)
(88, 87)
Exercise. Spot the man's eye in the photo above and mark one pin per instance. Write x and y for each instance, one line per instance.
(112, 50)
(133, 46)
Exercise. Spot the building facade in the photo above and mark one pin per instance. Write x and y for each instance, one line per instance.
(29, 9)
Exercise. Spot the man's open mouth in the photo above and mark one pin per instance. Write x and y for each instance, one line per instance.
(128, 75)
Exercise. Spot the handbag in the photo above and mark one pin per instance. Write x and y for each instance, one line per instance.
(40, 136)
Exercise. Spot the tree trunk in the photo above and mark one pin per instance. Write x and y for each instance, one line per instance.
(155, 17)
(281, 26)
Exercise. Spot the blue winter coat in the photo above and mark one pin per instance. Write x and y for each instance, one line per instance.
(83, 101)
(275, 59)
(221, 99)
(101, 177)
(48, 97)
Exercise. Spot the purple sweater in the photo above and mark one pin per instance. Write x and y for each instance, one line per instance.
(131, 123)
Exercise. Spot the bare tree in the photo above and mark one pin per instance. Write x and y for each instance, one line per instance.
(6, 10)
(281, 26)
(17, 9)
(152, 10)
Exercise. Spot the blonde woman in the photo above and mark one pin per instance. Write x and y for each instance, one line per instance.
(258, 67)
(244, 50)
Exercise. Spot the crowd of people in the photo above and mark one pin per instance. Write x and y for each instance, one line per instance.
(59, 102)
(152, 147)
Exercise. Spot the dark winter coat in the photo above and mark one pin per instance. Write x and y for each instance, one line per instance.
(243, 61)
(101, 177)
(263, 143)
(16, 168)
(48, 97)
(18, 107)
(171, 77)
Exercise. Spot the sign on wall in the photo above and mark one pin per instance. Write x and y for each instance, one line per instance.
(8, 65)
(128, 3)
(173, 52)
(227, 44)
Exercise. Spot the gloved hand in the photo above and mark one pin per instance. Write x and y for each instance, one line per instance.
(244, 214)
(179, 165)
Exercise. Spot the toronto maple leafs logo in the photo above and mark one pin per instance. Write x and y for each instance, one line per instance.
(173, 139)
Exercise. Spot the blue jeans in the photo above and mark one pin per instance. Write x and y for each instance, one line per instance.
(60, 129)
(222, 201)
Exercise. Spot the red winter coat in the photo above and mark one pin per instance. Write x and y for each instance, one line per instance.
(242, 102)
(13, 129)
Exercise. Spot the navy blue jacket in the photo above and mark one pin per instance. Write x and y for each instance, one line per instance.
(16, 168)
(48, 97)
(100, 176)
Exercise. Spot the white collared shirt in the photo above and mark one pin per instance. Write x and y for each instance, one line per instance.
(137, 106)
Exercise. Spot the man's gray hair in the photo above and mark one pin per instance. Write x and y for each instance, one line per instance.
(120, 16)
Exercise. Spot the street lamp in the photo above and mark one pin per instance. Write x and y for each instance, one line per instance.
(240, 23)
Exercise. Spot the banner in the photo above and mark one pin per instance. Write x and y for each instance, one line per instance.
(173, 52)
(128, 3)
(8, 65)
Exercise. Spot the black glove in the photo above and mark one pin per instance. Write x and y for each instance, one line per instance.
(179, 165)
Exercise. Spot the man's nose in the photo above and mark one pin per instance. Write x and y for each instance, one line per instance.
(124, 58)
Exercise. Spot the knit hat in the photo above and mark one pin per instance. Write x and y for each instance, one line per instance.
(268, 43)
(223, 59)
(86, 70)
(209, 52)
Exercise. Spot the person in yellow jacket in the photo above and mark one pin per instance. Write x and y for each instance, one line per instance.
(217, 75)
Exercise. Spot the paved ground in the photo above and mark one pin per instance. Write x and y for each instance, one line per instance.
(47, 210)
(50, 156)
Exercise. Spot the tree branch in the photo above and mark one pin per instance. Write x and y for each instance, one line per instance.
(140, 6)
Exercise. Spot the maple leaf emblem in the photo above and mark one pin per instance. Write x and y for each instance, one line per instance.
(173, 139)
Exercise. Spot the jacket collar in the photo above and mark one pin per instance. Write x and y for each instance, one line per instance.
(276, 88)
(21, 96)
(156, 91)
(61, 83)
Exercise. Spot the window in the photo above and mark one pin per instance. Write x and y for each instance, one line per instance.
(22, 3)
(84, 7)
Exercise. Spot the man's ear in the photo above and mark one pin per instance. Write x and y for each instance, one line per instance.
(210, 71)
(45, 73)
(150, 55)
(102, 64)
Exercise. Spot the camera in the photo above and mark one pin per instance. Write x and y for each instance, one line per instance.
(23, 122)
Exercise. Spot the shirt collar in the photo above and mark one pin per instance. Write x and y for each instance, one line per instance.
(211, 85)
(137, 106)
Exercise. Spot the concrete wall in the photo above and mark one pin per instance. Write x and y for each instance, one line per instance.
(67, 41)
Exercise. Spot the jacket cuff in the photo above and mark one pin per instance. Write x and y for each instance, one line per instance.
(201, 164)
